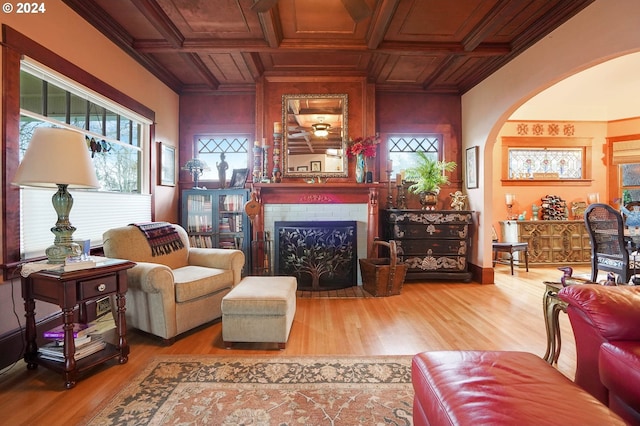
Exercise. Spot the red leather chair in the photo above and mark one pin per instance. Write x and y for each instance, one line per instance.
(606, 326)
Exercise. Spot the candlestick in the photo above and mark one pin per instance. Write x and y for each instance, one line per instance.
(390, 194)
(277, 127)
(389, 165)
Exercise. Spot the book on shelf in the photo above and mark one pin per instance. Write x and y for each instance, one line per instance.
(55, 352)
(76, 263)
(79, 330)
(76, 342)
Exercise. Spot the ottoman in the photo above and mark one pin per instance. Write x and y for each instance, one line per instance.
(499, 388)
(259, 309)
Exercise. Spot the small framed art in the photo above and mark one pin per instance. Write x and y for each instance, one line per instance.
(167, 162)
(472, 167)
(238, 178)
(302, 169)
(316, 166)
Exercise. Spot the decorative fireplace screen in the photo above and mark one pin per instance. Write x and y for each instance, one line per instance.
(321, 255)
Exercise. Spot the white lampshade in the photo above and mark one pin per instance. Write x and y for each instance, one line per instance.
(57, 156)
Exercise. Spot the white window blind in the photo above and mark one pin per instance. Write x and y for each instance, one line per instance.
(92, 214)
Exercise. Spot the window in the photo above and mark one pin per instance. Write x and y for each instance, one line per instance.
(234, 147)
(402, 149)
(554, 160)
(117, 141)
(551, 163)
(630, 182)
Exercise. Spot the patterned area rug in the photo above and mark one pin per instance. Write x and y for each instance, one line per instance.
(213, 390)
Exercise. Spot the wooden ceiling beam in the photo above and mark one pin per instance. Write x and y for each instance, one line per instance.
(489, 24)
(160, 21)
(202, 69)
(380, 22)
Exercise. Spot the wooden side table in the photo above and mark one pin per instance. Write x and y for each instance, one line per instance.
(68, 290)
(552, 306)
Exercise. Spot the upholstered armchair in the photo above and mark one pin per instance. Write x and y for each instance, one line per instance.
(174, 287)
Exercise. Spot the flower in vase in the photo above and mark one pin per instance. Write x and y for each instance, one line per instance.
(366, 146)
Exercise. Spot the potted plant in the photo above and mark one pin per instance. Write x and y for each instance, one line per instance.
(427, 177)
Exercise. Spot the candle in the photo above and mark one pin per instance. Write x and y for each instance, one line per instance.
(509, 199)
(398, 178)
(389, 165)
(256, 143)
(264, 142)
(277, 127)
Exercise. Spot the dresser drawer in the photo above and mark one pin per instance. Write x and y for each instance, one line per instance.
(430, 231)
(436, 247)
(97, 287)
(434, 263)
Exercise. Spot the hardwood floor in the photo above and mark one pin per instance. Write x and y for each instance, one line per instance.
(425, 317)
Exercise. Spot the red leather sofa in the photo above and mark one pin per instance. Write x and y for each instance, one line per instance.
(606, 327)
(499, 388)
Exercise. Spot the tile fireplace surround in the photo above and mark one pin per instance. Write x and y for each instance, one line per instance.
(320, 202)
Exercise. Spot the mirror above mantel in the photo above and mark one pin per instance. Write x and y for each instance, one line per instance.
(315, 134)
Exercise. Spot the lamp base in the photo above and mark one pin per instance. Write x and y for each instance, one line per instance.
(58, 252)
(63, 245)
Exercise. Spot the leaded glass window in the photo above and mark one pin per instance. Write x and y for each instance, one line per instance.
(403, 148)
(234, 147)
(548, 163)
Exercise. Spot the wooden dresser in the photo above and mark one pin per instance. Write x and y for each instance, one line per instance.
(551, 242)
(433, 243)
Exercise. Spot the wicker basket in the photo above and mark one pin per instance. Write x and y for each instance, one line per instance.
(383, 276)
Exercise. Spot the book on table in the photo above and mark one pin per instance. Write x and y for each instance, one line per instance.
(76, 263)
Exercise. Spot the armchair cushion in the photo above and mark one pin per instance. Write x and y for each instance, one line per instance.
(193, 282)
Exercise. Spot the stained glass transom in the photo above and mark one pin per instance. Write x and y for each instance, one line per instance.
(524, 163)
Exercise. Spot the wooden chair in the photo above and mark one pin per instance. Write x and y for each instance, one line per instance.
(609, 250)
(510, 248)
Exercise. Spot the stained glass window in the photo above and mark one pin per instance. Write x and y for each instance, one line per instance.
(549, 163)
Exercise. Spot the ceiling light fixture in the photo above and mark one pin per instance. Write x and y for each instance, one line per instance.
(321, 130)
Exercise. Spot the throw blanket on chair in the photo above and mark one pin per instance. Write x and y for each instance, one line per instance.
(161, 236)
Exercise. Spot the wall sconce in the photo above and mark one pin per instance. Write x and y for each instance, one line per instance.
(509, 200)
(196, 167)
(59, 158)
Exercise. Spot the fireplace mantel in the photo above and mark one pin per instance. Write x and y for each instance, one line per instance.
(319, 193)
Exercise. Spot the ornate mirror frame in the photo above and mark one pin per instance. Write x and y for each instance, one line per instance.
(302, 150)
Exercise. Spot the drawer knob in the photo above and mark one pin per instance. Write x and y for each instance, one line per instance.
(102, 287)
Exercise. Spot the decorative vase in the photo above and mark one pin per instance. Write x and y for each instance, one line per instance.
(428, 200)
(361, 168)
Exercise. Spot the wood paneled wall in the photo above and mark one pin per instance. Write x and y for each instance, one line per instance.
(369, 112)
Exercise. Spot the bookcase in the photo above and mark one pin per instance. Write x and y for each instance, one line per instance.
(215, 218)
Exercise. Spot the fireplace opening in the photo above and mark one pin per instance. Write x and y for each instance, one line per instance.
(321, 255)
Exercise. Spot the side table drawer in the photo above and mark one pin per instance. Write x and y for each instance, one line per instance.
(97, 287)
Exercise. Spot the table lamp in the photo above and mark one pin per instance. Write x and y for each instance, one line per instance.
(59, 158)
(196, 167)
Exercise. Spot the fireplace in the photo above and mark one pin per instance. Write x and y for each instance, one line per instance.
(321, 255)
(326, 202)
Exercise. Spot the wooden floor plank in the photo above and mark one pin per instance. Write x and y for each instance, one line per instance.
(426, 316)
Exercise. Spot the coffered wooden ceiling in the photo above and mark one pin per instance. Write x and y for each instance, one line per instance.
(440, 46)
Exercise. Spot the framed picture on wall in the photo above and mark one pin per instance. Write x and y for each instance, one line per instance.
(167, 162)
(316, 166)
(472, 167)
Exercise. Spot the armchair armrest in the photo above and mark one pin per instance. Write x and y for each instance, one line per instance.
(613, 311)
(151, 277)
(219, 258)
